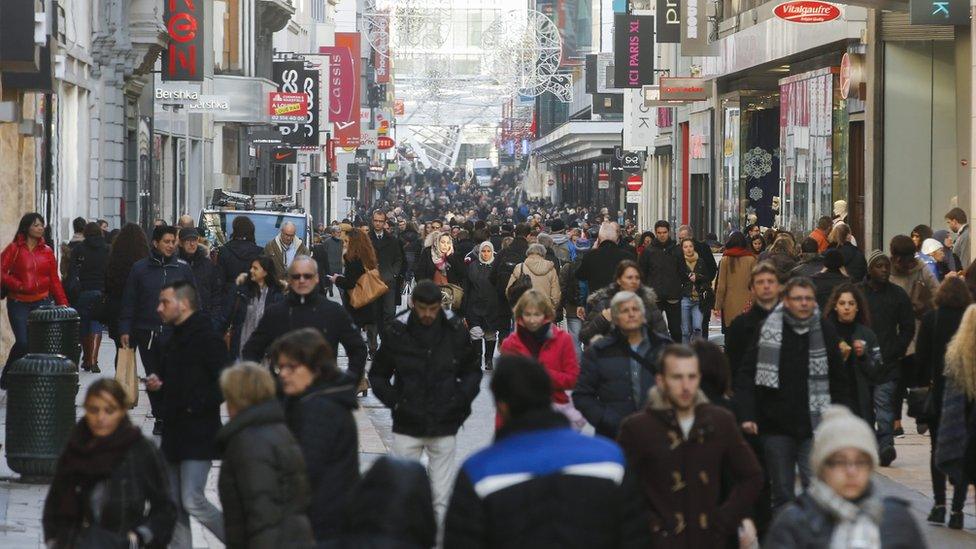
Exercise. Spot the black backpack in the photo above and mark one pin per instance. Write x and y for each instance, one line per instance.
(521, 285)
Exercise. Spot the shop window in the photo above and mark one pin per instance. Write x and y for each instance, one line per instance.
(226, 36)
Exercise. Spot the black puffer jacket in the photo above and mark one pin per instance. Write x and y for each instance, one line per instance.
(321, 420)
(600, 264)
(234, 258)
(893, 321)
(88, 262)
(803, 524)
(854, 262)
(437, 375)
(480, 306)
(660, 266)
(606, 392)
(190, 367)
(390, 508)
(205, 274)
(262, 484)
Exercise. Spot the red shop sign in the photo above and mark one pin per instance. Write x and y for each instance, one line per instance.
(807, 11)
(184, 56)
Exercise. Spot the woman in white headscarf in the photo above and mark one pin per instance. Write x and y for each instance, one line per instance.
(481, 305)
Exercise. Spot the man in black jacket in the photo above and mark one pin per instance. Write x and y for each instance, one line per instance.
(437, 374)
(787, 378)
(893, 321)
(505, 263)
(188, 381)
(660, 266)
(542, 484)
(306, 307)
(389, 255)
(600, 264)
(204, 270)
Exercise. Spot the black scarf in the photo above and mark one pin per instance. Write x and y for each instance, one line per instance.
(533, 339)
(86, 461)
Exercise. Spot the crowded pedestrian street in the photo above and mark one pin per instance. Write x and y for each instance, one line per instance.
(487, 274)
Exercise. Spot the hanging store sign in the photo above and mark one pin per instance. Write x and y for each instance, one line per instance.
(603, 180)
(652, 98)
(938, 12)
(682, 89)
(265, 137)
(284, 155)
(385, 143)
(668, 21)
(345, 70)
(287, 107)
(398, 108)
(381, 61)
(852, 76)
(694, 29)
(807, 11)
(633, 50)
(640, 129)
(184, 56)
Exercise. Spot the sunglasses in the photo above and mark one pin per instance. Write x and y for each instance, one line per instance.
(299, 276)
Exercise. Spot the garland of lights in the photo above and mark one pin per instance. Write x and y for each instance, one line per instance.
(406, 24)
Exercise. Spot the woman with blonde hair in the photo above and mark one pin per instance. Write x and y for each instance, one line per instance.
(262, 483)
(955, 453)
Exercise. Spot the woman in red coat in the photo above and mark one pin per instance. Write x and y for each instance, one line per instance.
(538, 337)
(30, 280)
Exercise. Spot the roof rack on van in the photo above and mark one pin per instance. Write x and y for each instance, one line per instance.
(231, 200)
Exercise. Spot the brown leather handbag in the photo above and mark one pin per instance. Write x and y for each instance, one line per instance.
(369, 288)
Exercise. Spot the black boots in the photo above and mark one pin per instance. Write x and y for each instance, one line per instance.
(489, 354)
(955, 520)
(937, 514)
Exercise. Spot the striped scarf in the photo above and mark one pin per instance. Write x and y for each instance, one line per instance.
(770, 343)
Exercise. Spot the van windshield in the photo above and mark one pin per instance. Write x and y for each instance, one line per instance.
(218, 225)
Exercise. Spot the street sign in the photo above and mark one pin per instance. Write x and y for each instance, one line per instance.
(635, 182)
(288, 107)
(633, 197)
(603, 180)
(385, 142)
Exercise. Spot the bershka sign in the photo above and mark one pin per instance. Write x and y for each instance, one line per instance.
(633, 50)
(668, 21)
(183, 60)
(807, 11)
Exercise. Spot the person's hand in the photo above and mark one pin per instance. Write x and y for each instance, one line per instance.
(241, 279)
(750, 428)
(953, 274)
(606, 314)
(858, 347)
(580, 313)
(748, 538)
(153, 383)
(691, 276)
(124, 340)
(845, 349)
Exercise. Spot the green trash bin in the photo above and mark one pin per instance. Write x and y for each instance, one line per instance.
(41, 390)
(54, 330)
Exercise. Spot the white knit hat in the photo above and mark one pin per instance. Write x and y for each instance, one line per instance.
(930, 245)
(840, 429)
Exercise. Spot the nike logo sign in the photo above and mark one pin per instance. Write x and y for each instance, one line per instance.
(280, 156)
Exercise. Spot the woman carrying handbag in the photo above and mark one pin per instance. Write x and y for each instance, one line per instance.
(254, 292)
(359, 279)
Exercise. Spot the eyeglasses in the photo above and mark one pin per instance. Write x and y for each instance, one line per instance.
(299, 276)
(290, 366)
(859, 465)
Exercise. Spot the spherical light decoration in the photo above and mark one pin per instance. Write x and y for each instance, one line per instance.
(522, 52)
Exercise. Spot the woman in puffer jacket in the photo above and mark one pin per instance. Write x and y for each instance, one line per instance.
(30, 280)
(627, 278)
(543, 273)
(263, 488)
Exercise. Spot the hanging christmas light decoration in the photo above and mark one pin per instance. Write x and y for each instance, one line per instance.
(522, 51)
(405, 24)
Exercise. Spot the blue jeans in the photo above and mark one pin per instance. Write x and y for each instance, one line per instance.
(86, 303)
(691, 319)
(784, 454)
(17, 313)
(188, 479)
(573, 326)
(884, 413)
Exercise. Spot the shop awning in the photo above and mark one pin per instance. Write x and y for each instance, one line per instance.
(578, 140)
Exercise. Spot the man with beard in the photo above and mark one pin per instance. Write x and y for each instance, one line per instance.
(660, 266)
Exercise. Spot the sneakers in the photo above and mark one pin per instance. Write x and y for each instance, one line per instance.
(158, 427)
(922, 428)
(899, 432)
(95, 369)
(955, 520)
(887, 455)
(937, 514)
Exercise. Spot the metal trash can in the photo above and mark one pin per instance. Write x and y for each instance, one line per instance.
(55, 330)
(41, 390)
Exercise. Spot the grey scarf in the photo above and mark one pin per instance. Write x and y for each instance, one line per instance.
(856, 525)
(770, 343)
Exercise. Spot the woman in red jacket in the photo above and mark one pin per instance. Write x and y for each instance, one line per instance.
(30, 280)
(538, 337)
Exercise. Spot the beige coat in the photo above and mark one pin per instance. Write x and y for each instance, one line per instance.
(543, 274)
(732, 293)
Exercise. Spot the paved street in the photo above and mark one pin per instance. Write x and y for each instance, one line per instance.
(21, 504)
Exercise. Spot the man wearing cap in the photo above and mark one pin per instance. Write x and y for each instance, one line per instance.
(562, 246)
(829, 277)
(893, 321)
(204, 271)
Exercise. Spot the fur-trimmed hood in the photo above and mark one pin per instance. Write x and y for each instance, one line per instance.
(657, 402)
(604, 295)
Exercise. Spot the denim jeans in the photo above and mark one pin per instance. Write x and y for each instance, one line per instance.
(884, 413)
(86, 303)
(17, 313)
(573, 326)
(188, 479)
(784, 454)
(691, 319)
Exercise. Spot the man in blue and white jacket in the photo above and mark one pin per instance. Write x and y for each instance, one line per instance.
(542, 484)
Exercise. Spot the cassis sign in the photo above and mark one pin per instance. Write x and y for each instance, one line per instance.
(633, 50)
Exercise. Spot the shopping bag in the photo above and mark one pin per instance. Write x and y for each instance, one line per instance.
(125, 374)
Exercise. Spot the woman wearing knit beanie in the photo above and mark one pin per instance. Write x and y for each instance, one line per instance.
(841, 508)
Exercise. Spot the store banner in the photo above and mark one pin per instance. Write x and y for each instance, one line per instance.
(694, 29)
(382, 56)
(938, 12)
(639, 127)
(345, 67)
(306, 132)
(683, 89)
(185, 23)
(633, 50)
(669, 21)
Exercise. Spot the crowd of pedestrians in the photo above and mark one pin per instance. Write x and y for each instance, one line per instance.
(578, 319)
